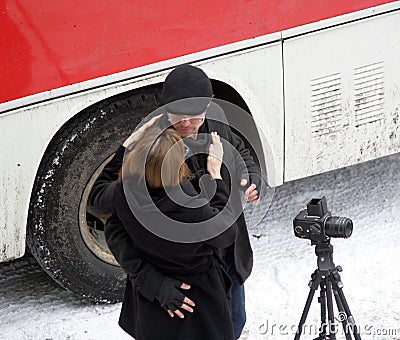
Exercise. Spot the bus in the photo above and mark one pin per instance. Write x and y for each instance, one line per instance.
(320, 80)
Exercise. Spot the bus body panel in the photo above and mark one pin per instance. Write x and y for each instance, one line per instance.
(51, 44)
(342, 96)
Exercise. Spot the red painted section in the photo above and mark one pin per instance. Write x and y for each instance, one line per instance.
(46, 44)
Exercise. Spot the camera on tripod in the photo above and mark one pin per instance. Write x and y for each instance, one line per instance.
(317, 224)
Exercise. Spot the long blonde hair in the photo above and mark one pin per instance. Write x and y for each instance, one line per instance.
(159, 158)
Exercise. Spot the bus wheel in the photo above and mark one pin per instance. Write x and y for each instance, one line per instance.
(64, 234)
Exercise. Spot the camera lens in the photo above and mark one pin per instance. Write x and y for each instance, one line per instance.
(336, 226)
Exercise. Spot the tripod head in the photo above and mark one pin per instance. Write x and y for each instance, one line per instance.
(324, 252)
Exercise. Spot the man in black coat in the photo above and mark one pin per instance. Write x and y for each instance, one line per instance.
(186, 96)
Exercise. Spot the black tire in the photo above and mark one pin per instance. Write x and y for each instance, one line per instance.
(56, 225)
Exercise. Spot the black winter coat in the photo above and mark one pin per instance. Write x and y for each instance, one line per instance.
(194, 263)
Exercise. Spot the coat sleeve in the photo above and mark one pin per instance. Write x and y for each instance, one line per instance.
(219, 206)
(251, 165)
(144, 275)
(101, 195)
(251, 170)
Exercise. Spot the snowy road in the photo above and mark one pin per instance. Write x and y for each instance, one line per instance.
(33, 307)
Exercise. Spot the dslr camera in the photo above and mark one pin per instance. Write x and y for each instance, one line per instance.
(318, 225)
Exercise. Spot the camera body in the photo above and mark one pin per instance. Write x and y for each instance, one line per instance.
(318, 225)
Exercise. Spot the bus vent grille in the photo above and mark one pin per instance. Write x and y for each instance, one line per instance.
(326, 105)
(368, 94)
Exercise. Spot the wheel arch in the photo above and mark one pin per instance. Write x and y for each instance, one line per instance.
(250, 133)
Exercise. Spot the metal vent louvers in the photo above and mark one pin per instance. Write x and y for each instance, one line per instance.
(368, 93)
(326, 105)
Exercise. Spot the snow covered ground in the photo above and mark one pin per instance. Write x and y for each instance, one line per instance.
(33, 307)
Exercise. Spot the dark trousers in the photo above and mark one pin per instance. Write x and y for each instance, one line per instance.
(237, 301)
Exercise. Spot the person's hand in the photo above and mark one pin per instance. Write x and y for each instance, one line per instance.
(138, 134)
(214, 159)
(251, 194)
(172, 299)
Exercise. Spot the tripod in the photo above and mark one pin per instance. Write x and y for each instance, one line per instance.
(327, 278)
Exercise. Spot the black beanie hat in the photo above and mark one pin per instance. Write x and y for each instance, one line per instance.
(186, 81)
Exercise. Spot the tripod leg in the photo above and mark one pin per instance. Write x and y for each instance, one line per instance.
(322, 301)
(342, 316)
(337, 285)
(314, 283)
(331, 317)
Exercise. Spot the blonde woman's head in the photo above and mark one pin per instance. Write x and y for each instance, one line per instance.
(159, 158)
